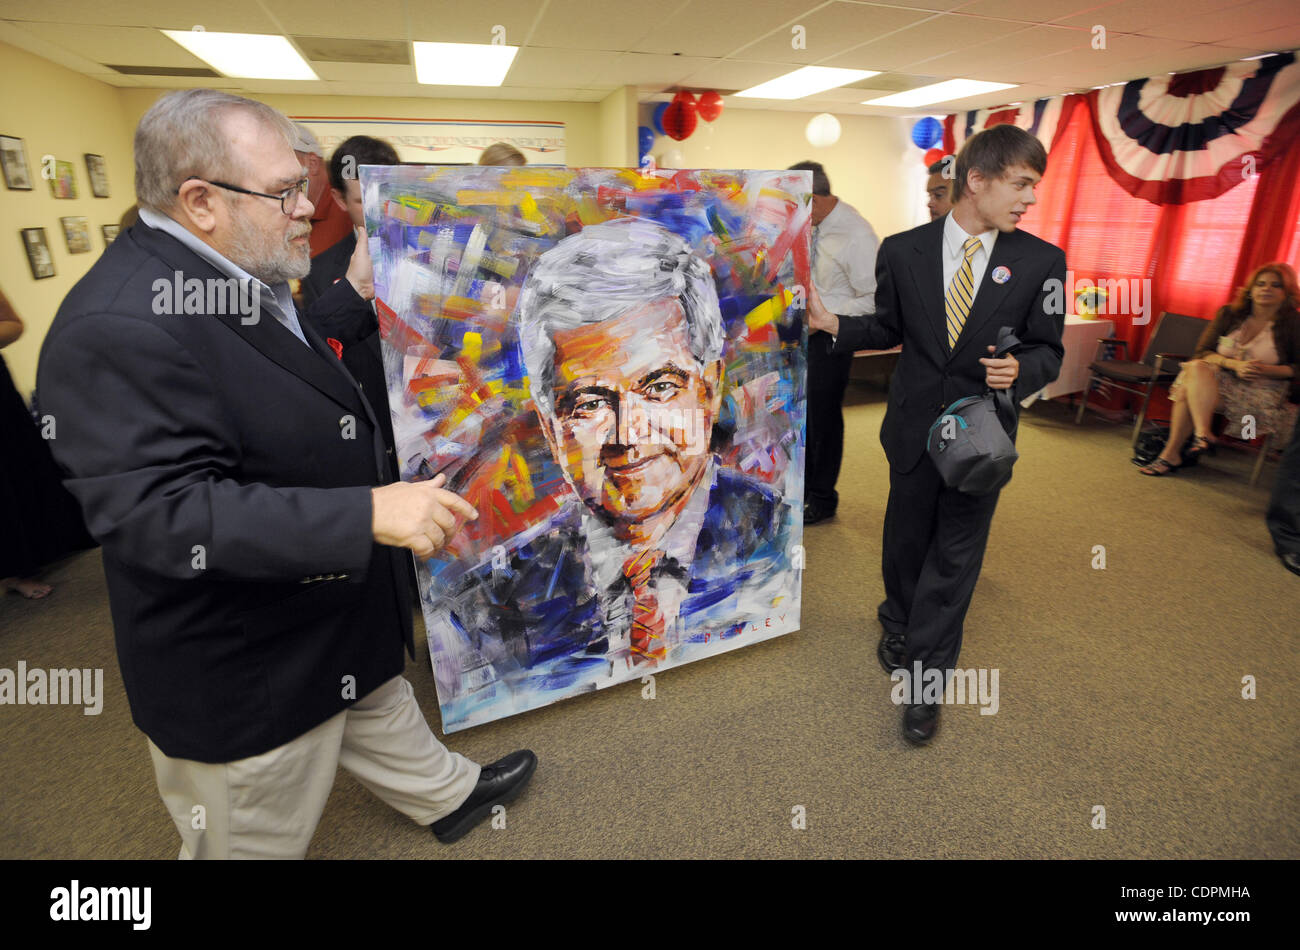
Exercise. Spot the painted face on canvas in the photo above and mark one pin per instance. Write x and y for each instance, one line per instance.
(634, 411)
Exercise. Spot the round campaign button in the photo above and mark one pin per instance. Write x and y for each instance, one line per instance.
(1001, 275)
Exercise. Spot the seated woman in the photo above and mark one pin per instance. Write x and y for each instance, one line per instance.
(1246, 363)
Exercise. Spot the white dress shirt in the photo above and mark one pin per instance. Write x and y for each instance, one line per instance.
(844, 261)
(954, 236)
(278, 299)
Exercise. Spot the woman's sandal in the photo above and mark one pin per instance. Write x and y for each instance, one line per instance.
(1200, 446)
(1158, 467)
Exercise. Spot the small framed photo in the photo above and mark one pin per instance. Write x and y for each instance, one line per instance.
(77, 233)
(13, 159)
(38, 253)
(97, 171)
(64, 182)
(110, 233)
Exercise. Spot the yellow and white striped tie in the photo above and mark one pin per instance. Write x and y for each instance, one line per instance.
(961, 293)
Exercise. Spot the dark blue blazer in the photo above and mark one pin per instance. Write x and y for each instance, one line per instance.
(226, 469)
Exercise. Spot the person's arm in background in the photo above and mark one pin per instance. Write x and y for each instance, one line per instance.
(344, 311)
(11, 325)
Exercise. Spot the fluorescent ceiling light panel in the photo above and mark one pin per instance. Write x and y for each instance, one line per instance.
(462, 64)
(245, 55)
(939, 92)
(805, 82)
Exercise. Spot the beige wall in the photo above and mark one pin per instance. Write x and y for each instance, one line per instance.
(581, 119)
(874, 166)
(618, 112)
(58, 112)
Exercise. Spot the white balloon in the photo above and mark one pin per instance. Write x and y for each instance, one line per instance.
(672, 158)
(822, 130)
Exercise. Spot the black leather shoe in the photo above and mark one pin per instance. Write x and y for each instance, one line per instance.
(920, 720)
(891, 651)
(498, 783)
(813, 513)
(1291, 562)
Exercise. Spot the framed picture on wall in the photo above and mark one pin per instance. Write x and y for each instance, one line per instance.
(97, 171)
(64, 182)
(76, 232)
(13, 159)
(38, 253)
(110, 233)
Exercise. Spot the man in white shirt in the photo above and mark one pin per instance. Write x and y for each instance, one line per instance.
(844, 273)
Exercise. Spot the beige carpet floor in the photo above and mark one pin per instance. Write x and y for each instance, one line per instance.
(1119, 688)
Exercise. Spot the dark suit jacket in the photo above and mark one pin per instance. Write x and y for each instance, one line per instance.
(356, 328)
(910, 310)
(544, 604)
(226, 470)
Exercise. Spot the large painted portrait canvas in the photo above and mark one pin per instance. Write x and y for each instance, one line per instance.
(608, 364)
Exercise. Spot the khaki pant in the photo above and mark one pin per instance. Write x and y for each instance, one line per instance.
(268, 805)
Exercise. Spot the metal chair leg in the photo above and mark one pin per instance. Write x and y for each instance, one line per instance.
(1259, 459)
(1083, 399)
(1142, 415)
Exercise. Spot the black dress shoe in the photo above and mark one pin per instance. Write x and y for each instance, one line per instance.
(813, 513)
(498, 783)
(891, 651)
(920, 720)
(1291, 562)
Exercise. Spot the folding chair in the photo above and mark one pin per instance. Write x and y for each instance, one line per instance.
(1173, 342)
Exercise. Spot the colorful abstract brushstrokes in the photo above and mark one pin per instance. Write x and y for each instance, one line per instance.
(609, 365)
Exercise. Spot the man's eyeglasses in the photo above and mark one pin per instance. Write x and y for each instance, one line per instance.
(288, 198)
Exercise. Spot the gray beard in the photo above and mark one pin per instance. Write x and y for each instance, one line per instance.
(271, 260)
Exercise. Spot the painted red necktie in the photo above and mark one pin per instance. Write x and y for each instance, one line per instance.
(647, 619)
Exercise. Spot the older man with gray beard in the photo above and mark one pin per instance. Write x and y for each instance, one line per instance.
(251, 526)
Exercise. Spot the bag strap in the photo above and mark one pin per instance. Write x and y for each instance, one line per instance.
(1007, 343)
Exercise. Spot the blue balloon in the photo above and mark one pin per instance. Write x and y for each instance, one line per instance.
(927, 132)
(645, 138)
(658, 119)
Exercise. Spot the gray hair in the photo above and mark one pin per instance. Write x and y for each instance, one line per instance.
(182, 136)
(602, 272)
(305, 142)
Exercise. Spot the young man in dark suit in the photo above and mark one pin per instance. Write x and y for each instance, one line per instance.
(943, 290)
(234, 475)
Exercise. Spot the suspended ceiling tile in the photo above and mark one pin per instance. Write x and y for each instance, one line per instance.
(448, 22)
(829, 32)
(597, 24)
(1147, 16)
(635, 69)
(1040, 11)
(733, 74)
(717, 27)
(364, 72)
(383, 19)
(125, 45)
(534, 66)
(234, 16)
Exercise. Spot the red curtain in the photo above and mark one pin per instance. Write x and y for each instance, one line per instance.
(1194, 255)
